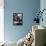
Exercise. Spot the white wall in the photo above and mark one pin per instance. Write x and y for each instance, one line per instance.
(1, 20)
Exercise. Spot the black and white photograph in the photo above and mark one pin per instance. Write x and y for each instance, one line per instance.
(17, 18)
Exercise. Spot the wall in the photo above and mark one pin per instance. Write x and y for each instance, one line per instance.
(28, 8)
(43, 6)
(1, 20)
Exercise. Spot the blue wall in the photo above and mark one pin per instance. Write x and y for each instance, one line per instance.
(28, 8)
(43, 6)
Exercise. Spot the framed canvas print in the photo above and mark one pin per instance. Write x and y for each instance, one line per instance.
(17, 18)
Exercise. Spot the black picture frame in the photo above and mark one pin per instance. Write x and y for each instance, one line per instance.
(17, 18)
